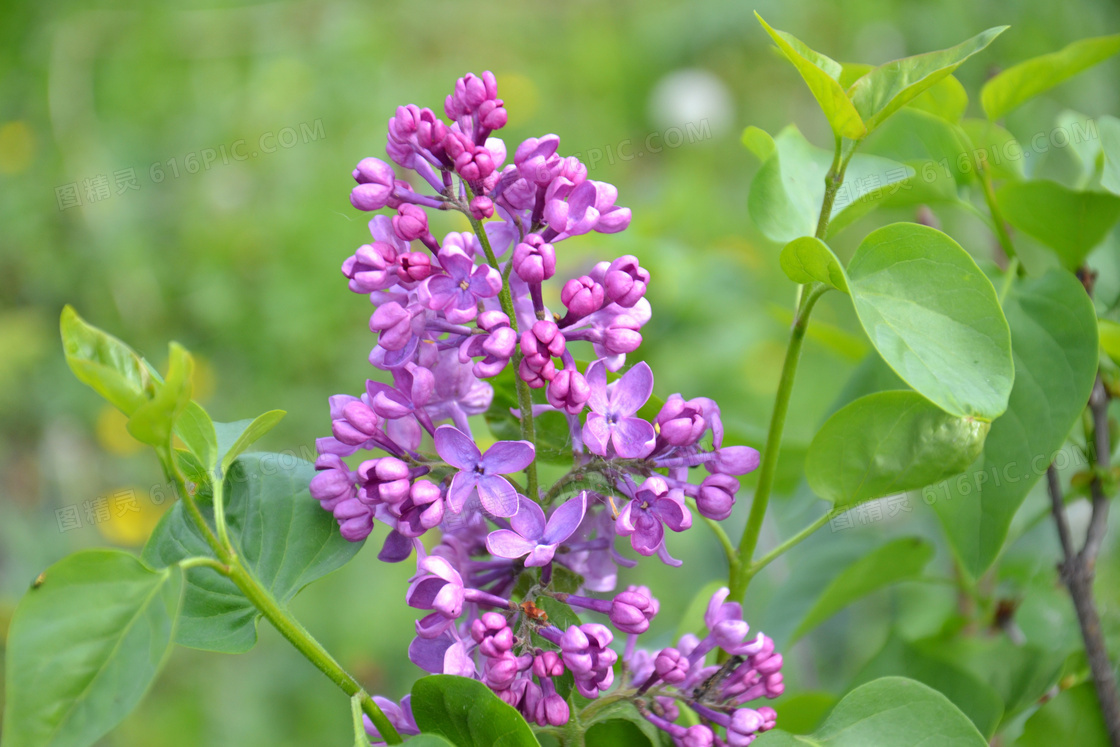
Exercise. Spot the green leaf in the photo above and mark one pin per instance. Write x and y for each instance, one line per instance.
(1028, 79)
(234, 438)
(946, 99)
(1109, 332)
(1110, 146)
(1020, 674)
(280, 532)
(809, 259)
(822, 75)
(1003, 154)
(1073, 717)
(467, 713)
(898, 560)
(617, 725)
(891, 712)
(976, 700)
(1069, 222)
(427, 740)
(888, 87)
(1084, 143)
(759, 142)
(788, 190)
(934, 317)
(887, 443)
(802, 713)
(104, 363)
(1054, 338)
(84, 645)
(196, 429)
(153, 421)
(930, 145)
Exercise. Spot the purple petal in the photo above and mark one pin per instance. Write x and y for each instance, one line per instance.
(428, 653)
(565, 519)
(672, 510)
(457, 662)
(540, 555)
(596, 434)
(717, 612)
(456, 448)
(597, 380)
(422, 594)
(648, 534)
(632, 390)
(462, 485)
(633, 438)
(529, 519)
(507, 544)
(506, 457)
(397, 548)
(497, 496)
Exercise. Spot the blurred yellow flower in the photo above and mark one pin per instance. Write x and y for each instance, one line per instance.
(131, 517)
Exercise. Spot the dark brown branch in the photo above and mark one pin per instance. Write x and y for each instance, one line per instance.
(1078, 578)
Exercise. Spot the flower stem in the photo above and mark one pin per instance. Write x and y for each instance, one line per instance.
(997, 217)
(807, 297)
(781, 549)
(749, 540)
(229, 565)
(524, 397)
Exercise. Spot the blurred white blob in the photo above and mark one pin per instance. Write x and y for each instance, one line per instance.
(691, 96)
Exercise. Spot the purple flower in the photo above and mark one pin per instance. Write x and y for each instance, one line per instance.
(653, 507)
(482, 472)
(495, 347)
(671, 666)
(458, 291)
(625, 281)
(586, 654)
(582, 296)
(421, 510)
(632, 610)
(411, 223)
(716, 497)
(534, 259)
(568, 391)
(726, 626)
(536, 160)
(437, 586)
(682, 422)
(442, 654)
(612, 422)
(375, 180)
(532, 536)
(734, 460)
(493, 634)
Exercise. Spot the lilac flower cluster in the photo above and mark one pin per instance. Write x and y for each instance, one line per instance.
(448, 316)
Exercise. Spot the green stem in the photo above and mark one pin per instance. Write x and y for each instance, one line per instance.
(781, 549)
(766, 473)
(1008, 278)
(739, 578)
(360, 738)
(524, 397)
(218, 485)
(997, 217)
(229, 565)
(203, 562)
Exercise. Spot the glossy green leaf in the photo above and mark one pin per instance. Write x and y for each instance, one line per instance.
(1069, 222)
(759, 142)
(822, 75)
(788, 190)
(802, 713)
(898, 560)
(1109, 128)
(937, 150)
(1028, 79)
(196, 429)
(467, 713)
(946, 99)
(1054, 338)
(891, 712)
(976, 699)
(1072, 718)
(618, 724)
(884, 90)
(234, 438)
(809, 259)
(84, 645)
(934, 317)
(888, 443)
(104, 363)
(1109, 332)
(427, 740)
(280, 532)
(153, 421)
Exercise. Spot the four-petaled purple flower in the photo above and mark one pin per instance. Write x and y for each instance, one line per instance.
(645, 517)
(532, 536)
(482, 472)
(458, 291)
(611, 423)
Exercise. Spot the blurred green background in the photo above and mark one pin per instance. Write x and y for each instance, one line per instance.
(210, 145)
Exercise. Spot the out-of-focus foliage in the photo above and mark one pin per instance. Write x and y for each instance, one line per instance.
(210, 147)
